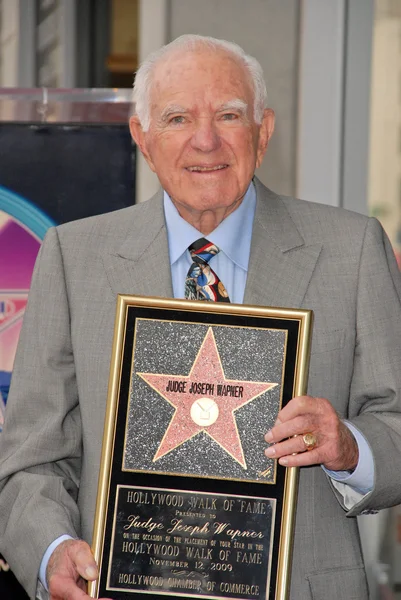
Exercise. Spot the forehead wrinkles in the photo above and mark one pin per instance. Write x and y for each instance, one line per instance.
(180, 75)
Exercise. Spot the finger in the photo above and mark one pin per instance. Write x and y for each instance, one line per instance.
(301, 405)
(303, 459)
(66, 589)
(69, 592)
(296, 426)
(70, 564)
(317, 414)
(291, 446)
(85, 564)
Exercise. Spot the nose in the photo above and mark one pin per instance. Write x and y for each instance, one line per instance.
(205, 136)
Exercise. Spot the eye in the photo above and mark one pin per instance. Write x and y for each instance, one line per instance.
(229, 117)
(177, 120)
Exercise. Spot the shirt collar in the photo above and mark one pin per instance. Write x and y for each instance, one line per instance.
(232, 236)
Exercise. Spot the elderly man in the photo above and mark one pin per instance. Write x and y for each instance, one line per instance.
(202, 124)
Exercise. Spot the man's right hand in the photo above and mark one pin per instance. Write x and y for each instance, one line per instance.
(70, 566)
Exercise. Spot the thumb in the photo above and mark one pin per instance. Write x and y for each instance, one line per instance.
(81, 555)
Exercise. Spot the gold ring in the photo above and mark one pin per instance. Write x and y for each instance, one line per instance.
(310, 441)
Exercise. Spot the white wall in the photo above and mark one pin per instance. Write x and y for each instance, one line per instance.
(320, 102)
(9, 33)
(152, 35)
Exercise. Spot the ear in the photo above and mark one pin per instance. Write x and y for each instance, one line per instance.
(265, 133)
(139, 136)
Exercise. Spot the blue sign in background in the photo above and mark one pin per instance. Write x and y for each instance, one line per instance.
(50, 174)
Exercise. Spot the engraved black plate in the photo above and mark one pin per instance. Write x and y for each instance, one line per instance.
(186, 542)
(188, 503)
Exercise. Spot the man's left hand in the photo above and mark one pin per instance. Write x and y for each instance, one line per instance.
(335, 449)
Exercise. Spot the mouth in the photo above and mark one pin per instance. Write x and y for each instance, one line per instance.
(206, 169)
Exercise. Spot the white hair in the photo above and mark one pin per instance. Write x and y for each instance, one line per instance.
(144, 75)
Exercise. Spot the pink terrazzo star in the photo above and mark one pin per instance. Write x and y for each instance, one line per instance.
(205, 401)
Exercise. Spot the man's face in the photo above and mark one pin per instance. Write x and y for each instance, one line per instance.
(203, 142)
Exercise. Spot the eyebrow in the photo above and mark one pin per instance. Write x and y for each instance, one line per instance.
(172, 110)
(235, 104)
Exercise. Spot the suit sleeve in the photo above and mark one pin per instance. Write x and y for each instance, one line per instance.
(40, 446)
(375, 391)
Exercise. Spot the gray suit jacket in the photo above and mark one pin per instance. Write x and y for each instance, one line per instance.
(337, 263)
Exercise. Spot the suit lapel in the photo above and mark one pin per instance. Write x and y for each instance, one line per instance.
(141, 263)
(281, 263)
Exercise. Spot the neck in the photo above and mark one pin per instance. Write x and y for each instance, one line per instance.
(206, 221)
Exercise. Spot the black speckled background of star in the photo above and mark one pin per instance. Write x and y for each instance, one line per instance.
(167, 347)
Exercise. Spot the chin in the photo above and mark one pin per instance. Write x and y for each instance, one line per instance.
(225, 200)
(213, 202)
(216, 196)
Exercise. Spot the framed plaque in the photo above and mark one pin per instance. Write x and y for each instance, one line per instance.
(188, 504)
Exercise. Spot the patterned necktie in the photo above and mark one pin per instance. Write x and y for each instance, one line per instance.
(202, 282)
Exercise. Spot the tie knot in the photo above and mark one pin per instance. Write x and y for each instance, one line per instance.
(203, 250)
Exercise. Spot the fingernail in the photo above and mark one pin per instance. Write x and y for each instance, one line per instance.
(269, 436)
(270, 451)
(283, 461)
(91, 573)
